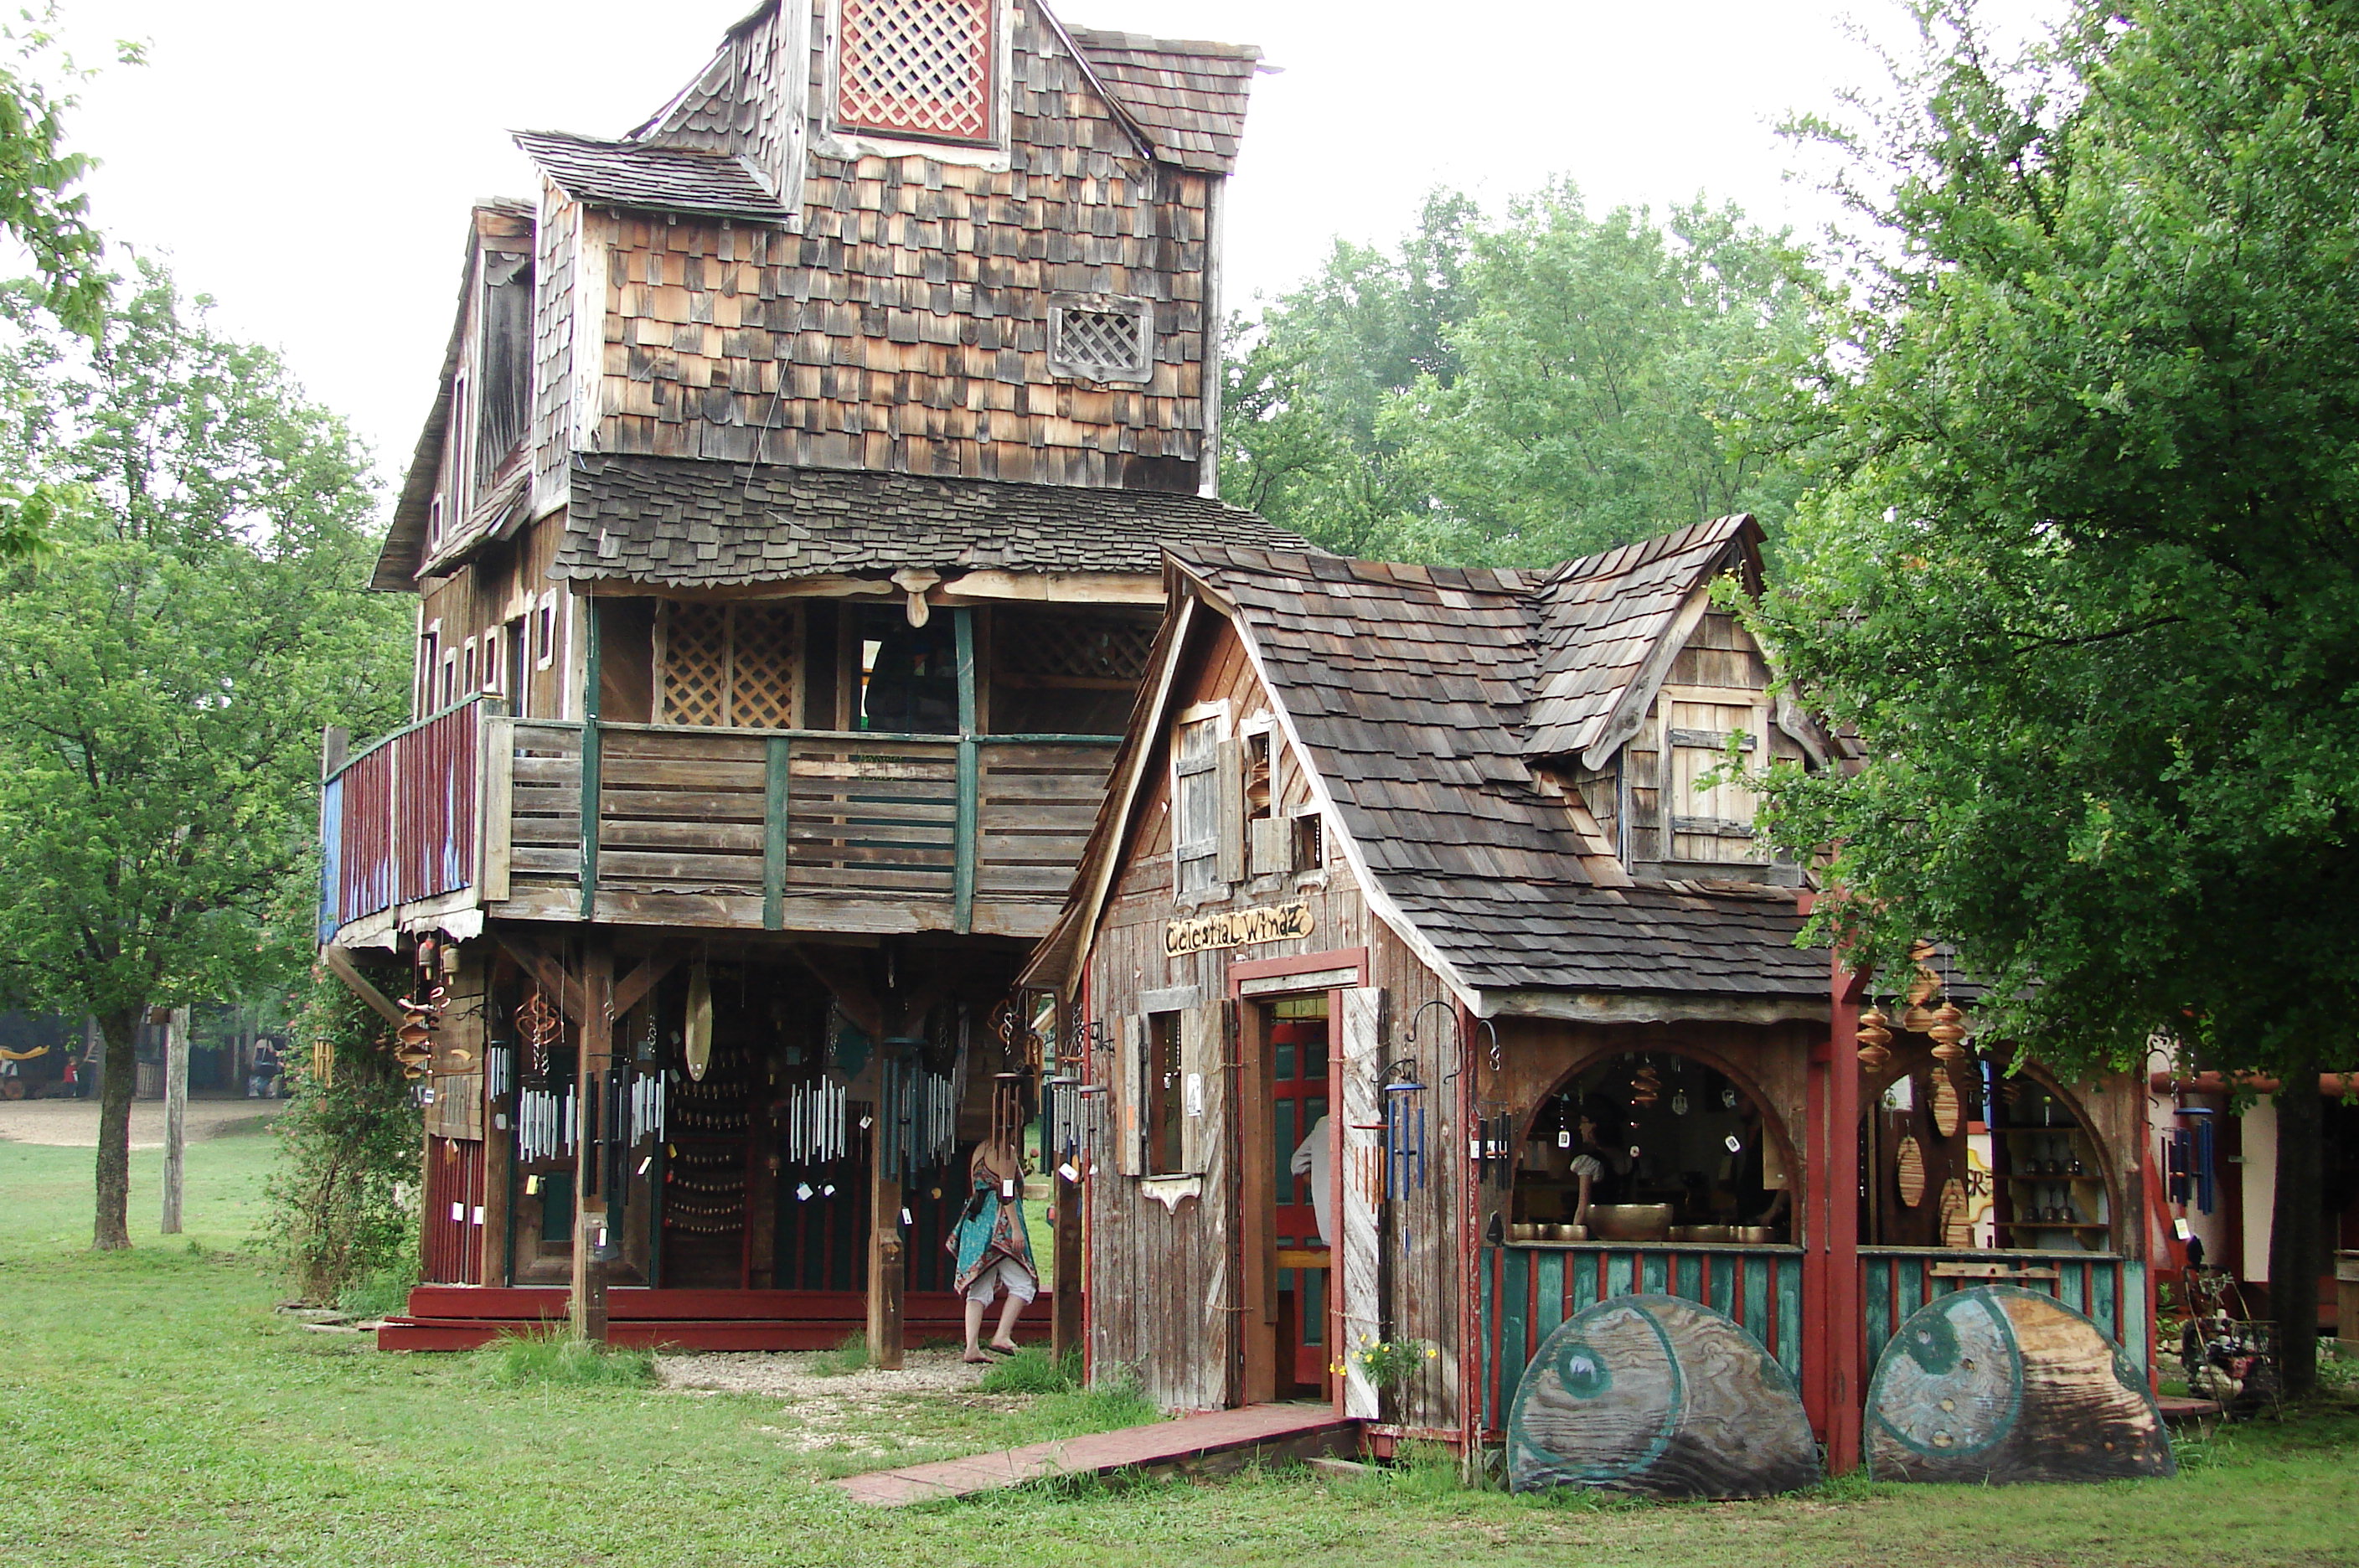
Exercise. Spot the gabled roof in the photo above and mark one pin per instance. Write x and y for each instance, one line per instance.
(648, 178)
(405, 539)
(688, 523)
(1186, 98)
(1605, 618)
(1407, 690)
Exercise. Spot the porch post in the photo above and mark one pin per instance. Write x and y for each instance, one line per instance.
(885, 1267)
(586, 1302)
(1834, 1382)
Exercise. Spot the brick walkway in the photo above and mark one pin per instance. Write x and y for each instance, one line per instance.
(1293, 1429)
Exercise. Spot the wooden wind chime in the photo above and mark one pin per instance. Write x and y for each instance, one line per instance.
(413, 1040)
(1945, 1026)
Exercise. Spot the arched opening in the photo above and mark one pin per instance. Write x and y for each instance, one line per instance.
(1963, 1155)
(1664, 1145)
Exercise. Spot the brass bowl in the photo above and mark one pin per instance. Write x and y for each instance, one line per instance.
(1568, 1232)
(1525, 1232)
(1716, 1233)
(1630, 1222)
(1751, 1235)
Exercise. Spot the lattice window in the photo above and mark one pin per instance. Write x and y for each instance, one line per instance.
(695, 664)
(1077, 648)
(916, 68)
(762, 647)
(1112, 340)
(729, 665)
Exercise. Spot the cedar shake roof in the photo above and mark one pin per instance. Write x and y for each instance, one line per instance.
(1410, 687)
(1603, 617)
(685, 523)
(1187, 99)
(646, 178)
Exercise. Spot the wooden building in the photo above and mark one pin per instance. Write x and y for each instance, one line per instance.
(786, 535)
(1456, 862)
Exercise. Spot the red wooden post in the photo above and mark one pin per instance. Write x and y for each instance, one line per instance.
(1846, 1329)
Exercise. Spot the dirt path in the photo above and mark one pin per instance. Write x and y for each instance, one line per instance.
(73, 1124)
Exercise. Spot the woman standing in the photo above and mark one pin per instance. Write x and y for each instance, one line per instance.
(1600, 1161)
(993, 1248)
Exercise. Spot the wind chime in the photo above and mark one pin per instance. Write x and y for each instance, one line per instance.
(413, 1040)
(1404, 1131)
(548, 1119)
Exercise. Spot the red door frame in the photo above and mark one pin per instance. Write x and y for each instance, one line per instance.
(1355, 959)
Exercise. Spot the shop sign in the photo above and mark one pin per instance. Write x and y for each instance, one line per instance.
(1237, 928)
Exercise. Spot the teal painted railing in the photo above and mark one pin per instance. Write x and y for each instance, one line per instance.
(1528, 1290)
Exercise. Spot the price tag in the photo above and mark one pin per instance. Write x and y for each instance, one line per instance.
(650, 1160)
(828, 1191)
(1007, 1191)
(1068, 1172)
(1564, 1137)
(1735, 1145)
(803, 1192)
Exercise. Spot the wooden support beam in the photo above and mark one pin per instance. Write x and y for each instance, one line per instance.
(340, 965)
(547, 971)
(969, 812)
(775, 798)
(842, 970)
(592, 802)
(585, 1306)
(632, 988)
(887, 1268)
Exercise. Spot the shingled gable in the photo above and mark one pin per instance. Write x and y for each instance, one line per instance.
(1609, 625)
(686, 523)
(722, 146)
(1406, 688)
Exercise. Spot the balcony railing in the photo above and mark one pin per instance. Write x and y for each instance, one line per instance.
(783, 829)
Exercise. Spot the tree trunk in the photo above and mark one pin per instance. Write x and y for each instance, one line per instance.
(110, 1227)
(2295, 1225)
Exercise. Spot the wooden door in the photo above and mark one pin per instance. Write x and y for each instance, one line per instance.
(1706, 815)
(1298, 1052)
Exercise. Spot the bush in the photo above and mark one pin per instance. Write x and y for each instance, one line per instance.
(553, 1357)
(345, 1191)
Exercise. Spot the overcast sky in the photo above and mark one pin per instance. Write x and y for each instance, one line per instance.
(311, 165)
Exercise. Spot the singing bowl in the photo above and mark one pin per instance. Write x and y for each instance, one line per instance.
(1630, 1222)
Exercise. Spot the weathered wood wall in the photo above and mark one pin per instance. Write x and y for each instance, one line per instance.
(905, 327)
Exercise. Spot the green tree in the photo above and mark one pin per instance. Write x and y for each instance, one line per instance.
(1523, 390)
(1309, 380)
(167, 663)
(2086, 579)
(40, 209)
(1604, 372)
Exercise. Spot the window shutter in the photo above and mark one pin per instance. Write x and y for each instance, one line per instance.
(1130, 1069)
(1233, 811)
(1203, 1033)
(1363, 1152)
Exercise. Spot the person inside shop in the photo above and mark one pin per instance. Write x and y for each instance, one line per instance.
(992, 1248)
(1311, 1158)
(1601, 1159)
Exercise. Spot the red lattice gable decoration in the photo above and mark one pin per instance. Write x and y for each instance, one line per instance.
(916, 68)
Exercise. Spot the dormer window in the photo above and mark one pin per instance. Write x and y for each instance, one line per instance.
(921, 69)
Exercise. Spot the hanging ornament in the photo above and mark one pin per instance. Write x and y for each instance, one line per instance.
(1679, 1102)
(1875, 1041)
(1949, 1110)
(698, 1046)
(1948, 1027)
(1911, 1171)
(1646, 1086)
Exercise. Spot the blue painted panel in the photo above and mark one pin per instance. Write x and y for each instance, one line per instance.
(1515, 1327)
(1548, 1310)
(1655, 1273)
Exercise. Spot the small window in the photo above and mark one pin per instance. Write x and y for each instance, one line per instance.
(1166, 1090)
(1310, 842)
(916, 68)
(467, 675)
(434, 524)
(1196, 805)
(450, 679)
(1112, 339)
(545, 631)
(430, 662)
(516, 643)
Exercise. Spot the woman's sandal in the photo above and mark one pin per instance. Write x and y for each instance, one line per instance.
(977, 1359)
(1003, 1349)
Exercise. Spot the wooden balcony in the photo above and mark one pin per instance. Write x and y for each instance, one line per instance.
(738, 829)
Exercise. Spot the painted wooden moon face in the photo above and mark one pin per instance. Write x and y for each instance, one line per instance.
(1660, 1396)
(2000, 1384)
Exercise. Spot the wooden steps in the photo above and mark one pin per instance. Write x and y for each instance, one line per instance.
(2178, 1410)
(1211, 1442)
(462, 1317)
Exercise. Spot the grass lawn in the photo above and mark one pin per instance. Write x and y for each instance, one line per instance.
(153, 1409)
